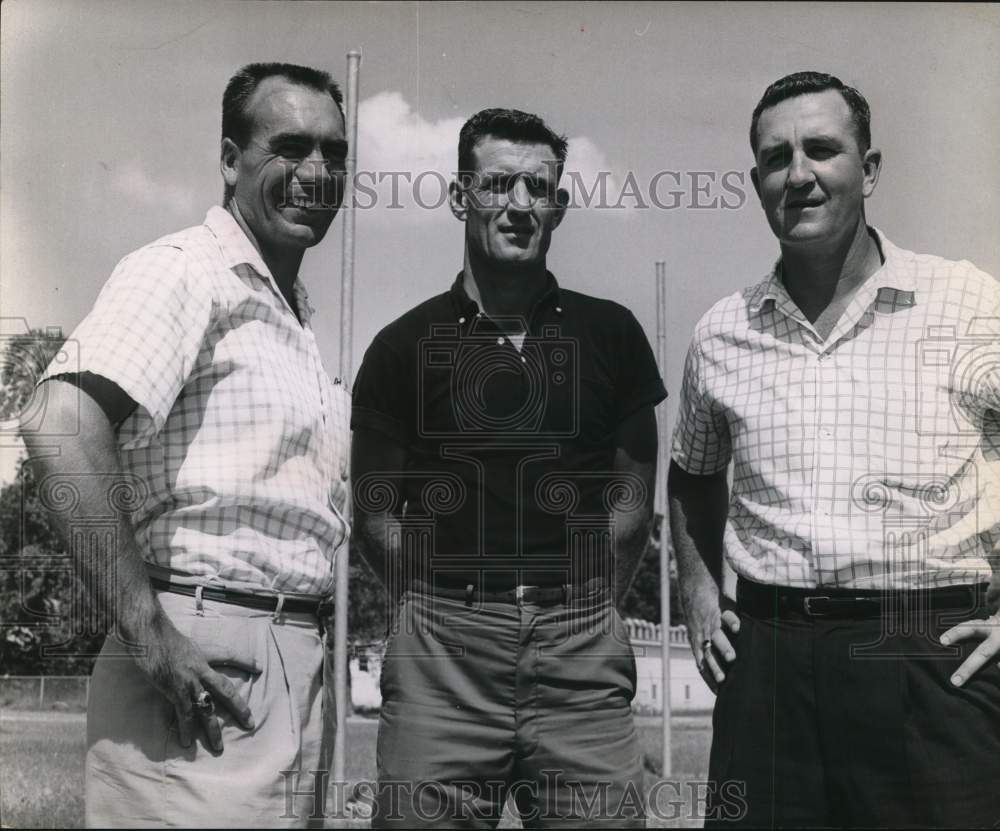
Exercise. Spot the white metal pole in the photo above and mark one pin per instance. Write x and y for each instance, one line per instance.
(340, 691)
(661, 467)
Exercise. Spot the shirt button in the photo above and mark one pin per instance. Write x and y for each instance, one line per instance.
(461, 320)
(559, 309)
(524, 360)
(499, 341)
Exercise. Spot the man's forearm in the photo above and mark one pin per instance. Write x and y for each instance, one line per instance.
(371, 540)
(698, 510)
(631, 530)
(86, 465)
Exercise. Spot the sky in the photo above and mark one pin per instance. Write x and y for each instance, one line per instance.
(110, 112)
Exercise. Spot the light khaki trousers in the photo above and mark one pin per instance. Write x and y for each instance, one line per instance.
(137, 773)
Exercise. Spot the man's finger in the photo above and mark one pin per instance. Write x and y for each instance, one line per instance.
(713, 666)
(732, 620)
(227, 695)
(980, 656)
(965, 629)
(722, 646)
(213, 731)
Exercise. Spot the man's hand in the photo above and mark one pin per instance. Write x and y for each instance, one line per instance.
(989, 631)
(709, 623)
(698, 506)
(177, 668)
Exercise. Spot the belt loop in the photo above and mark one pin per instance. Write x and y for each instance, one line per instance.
(199, 604)
(567, 594)
(469, 589)
(278, 608)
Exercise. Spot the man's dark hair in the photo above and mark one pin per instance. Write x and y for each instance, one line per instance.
(803, 83)
(512, 125)
(237, 122)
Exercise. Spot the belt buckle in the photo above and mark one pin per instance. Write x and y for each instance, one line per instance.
(808, 608)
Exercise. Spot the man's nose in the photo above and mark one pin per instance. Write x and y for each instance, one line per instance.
(313, 168)
(519, 199)
(799, 170)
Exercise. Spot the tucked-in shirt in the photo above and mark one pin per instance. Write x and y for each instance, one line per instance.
(870, 459)
(510, 465)
(236, 454)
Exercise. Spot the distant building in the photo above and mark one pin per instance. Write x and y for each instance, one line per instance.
(688, 693)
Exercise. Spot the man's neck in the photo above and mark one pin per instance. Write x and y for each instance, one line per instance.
(504, 292)
(283, 265)
(822, 279)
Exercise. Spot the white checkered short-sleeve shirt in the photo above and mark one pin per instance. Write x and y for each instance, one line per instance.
(869, 460)
(240, 437)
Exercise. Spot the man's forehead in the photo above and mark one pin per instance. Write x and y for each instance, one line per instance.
(821, 112)
(283, 105)
(493, 153)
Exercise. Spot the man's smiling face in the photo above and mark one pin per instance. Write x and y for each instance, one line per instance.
(288, 180)
(811, 175)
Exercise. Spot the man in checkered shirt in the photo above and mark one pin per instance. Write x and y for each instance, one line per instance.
(856, 392)
(202, 422)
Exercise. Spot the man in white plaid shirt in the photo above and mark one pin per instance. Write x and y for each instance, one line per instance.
(856, 392)
(202, 418)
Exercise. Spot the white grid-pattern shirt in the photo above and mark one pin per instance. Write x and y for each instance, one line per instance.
(869, 460)
(240, 437)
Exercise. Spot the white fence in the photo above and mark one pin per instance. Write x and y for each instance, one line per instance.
(44, 692)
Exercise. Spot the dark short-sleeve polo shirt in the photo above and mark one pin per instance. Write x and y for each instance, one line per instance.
(510, 453)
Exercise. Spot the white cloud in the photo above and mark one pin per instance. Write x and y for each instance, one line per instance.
(133, 182)
(400, 151)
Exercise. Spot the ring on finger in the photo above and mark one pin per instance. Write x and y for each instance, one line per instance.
(204, 703)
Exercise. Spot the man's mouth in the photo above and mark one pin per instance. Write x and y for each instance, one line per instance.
(305, 204)
(798, 204)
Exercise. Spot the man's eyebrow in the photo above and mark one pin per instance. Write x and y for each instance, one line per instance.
(305, 138)
(822, 138)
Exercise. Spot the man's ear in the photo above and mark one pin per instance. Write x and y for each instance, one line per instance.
(755, 178)
(229, 162)
(872, 166)
(457, 201)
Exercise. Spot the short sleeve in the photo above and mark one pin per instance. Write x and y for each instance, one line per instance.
(146, 328)
(381, 398)
(638, 383)
(701, 442)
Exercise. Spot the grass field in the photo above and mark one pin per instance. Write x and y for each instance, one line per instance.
(41, 768)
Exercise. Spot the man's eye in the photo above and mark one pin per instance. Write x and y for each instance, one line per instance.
(291, 151)
(822, 152)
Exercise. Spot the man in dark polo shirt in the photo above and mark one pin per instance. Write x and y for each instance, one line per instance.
(503, 459)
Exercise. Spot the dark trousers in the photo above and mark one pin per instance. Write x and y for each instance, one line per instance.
(854, 723)
(487, 700)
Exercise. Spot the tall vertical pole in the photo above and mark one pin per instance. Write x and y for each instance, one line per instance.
(661, 500)
(340, 692)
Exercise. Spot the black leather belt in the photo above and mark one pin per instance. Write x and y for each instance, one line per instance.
(520, 594)
(771, 602)
(267, 602)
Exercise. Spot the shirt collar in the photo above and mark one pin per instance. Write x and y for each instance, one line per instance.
(237, 251)
(895, 276)
(465, 307)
